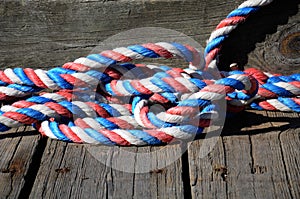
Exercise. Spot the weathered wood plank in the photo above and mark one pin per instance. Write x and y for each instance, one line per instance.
(76, 171)
(17, 153)
(254, 160)
(258, 158)
(267, 166)
(48, 33)
(238, 159)
(290, 141)
(207, 168)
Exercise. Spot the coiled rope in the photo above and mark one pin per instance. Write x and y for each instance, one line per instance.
(105, 99)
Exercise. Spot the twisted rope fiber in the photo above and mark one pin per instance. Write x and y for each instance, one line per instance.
(119, 111)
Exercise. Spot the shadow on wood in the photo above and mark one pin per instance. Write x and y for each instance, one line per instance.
(243, 40)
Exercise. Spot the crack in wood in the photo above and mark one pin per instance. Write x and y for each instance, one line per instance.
(185, 171)
(33, 168)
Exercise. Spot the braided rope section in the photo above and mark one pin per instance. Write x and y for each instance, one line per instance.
(107, 99)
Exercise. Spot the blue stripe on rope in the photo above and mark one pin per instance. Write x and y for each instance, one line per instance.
(145, 137)
(290, 103)
(161, 75)
(128, 66)
(111, 110)
(191, 129)
(39, 99)
(2, 83)
(278, 90)
(60, 70)
(109, 89)
(236, 72)
(106, 123)
(71, 124)
(26, 89)
(57, 132)
(4, 127)
(200, 84)
(102, 77)
(276, 79)
(23, 77)
(214, 43)
(143, 51)
(157, 122)
(73, 109)
(170, 96)
(188, 55)
(256, 106)
(59, 80)
(130, 88)
(98, 136)
(101, 59)
(287, 78)
(295, 76)
(194, 103)
(208, 111)
(209, 108)
(165, 68)
(231, 82)
(241, 95)
(161, 84)
(135, 101)
(33, 114)
(242, 11)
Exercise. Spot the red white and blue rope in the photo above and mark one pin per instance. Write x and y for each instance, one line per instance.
(119, 113)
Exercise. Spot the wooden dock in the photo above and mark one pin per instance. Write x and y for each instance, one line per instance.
(256, 156)
(259, 158)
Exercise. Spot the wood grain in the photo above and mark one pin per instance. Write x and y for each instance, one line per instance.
(50, 33)
(258, 160)
(17, 154)
(208, 172)
(73, 171)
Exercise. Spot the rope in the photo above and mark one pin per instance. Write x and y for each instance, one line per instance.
(105, 99)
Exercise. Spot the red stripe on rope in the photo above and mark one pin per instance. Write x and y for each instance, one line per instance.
(231, 21)
(267, 106)
(59, 109)
(4, 78)
(101, 112)
(158, 50)
(121, 123)
(144, 118)
(23, 104)
(140, 88)
(69, 133)
(115, 137)
(116, 56)
(160, 135)
(34, 78)
(76, 66)
(176, 85)
(266, 93)
(24, 119)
